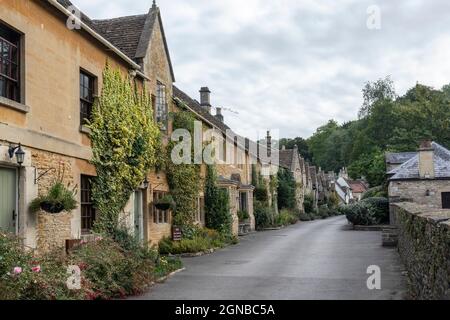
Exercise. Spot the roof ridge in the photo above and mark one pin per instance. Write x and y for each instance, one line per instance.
(122, 17)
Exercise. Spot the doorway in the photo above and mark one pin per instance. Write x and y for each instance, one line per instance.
(445, 200)
(8, 200)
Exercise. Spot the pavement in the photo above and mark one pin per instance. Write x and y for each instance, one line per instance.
(318, 260)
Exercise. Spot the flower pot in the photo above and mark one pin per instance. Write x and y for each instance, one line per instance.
(163, 206)
(53, 208)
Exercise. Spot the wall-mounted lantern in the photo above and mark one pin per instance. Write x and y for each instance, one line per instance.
(20, 154)
(146, 183)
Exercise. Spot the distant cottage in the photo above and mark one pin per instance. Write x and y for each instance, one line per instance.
(423, 177)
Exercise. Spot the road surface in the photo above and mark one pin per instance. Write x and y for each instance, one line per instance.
(312, 260)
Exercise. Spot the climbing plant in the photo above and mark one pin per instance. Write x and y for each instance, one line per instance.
(124, 139)
(286, 189)
(217, 207)
(184, 179)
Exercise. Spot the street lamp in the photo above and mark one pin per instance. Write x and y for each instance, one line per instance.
(20, 154)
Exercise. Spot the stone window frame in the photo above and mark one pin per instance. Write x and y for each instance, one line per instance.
(19, 103)
(92, 90)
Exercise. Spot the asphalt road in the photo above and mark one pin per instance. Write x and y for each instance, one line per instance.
(309, 261)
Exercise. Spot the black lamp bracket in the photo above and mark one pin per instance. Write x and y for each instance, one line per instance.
(43, 174)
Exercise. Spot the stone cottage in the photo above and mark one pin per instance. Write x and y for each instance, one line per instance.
(424, 178)
(46, 93)
(290, 160)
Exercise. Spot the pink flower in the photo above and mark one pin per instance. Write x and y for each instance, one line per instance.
(17, 270)
(98, 239)
(83, 242)
(36, 269)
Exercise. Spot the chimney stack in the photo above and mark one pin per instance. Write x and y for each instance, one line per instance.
(219, 115)
(205, 99)
(269, 144)
(283, 148)
(426, 160)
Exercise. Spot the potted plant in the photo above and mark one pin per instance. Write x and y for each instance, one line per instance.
(243, 216)
(165, 203)
(58, 199)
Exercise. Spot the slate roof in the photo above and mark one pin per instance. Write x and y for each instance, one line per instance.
(399, 158)
(286, 158)
(197, 108)
(130, 34)
(124, 32)
(410, 169)
(194, 105)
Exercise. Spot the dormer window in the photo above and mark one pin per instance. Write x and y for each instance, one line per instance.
(9, 63)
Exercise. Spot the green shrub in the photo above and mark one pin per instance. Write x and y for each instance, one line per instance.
(261, 194)
(263, 215)
(324, 212)
(217, 204)
(308, 203)
(305, 217)
(286, 217)
(58, 199)
(200, 240)
(110, 269)
(371, 211)
(243, 215)
(376, 192)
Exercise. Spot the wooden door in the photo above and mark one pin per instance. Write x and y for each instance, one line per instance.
(8, 200)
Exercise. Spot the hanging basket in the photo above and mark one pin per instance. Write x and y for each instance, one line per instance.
(166, 203)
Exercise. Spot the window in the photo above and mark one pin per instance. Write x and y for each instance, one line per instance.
(445, 200)
(243, 201)
(87, 205)
(200, 213)
(87, 83)
(161, 106)
(159, 216)
(9, 63)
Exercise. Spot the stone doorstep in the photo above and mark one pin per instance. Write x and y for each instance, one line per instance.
(368, 228)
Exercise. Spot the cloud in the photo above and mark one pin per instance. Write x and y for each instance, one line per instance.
(294, 64)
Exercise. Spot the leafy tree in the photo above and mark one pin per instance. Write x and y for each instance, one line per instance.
(374, 92)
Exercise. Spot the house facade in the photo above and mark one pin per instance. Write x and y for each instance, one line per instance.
(47, 90)
(291, 160)
(424, 178)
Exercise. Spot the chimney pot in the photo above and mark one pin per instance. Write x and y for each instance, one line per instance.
(219, 115)
(205, 98)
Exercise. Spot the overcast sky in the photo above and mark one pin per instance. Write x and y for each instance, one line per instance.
(294, 64)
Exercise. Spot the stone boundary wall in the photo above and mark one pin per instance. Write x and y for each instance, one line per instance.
(424, 246)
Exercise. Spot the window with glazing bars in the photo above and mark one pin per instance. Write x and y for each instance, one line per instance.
(161, 105)
(86, 96)
(159, 216)
(9, 63)
(86, 205)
